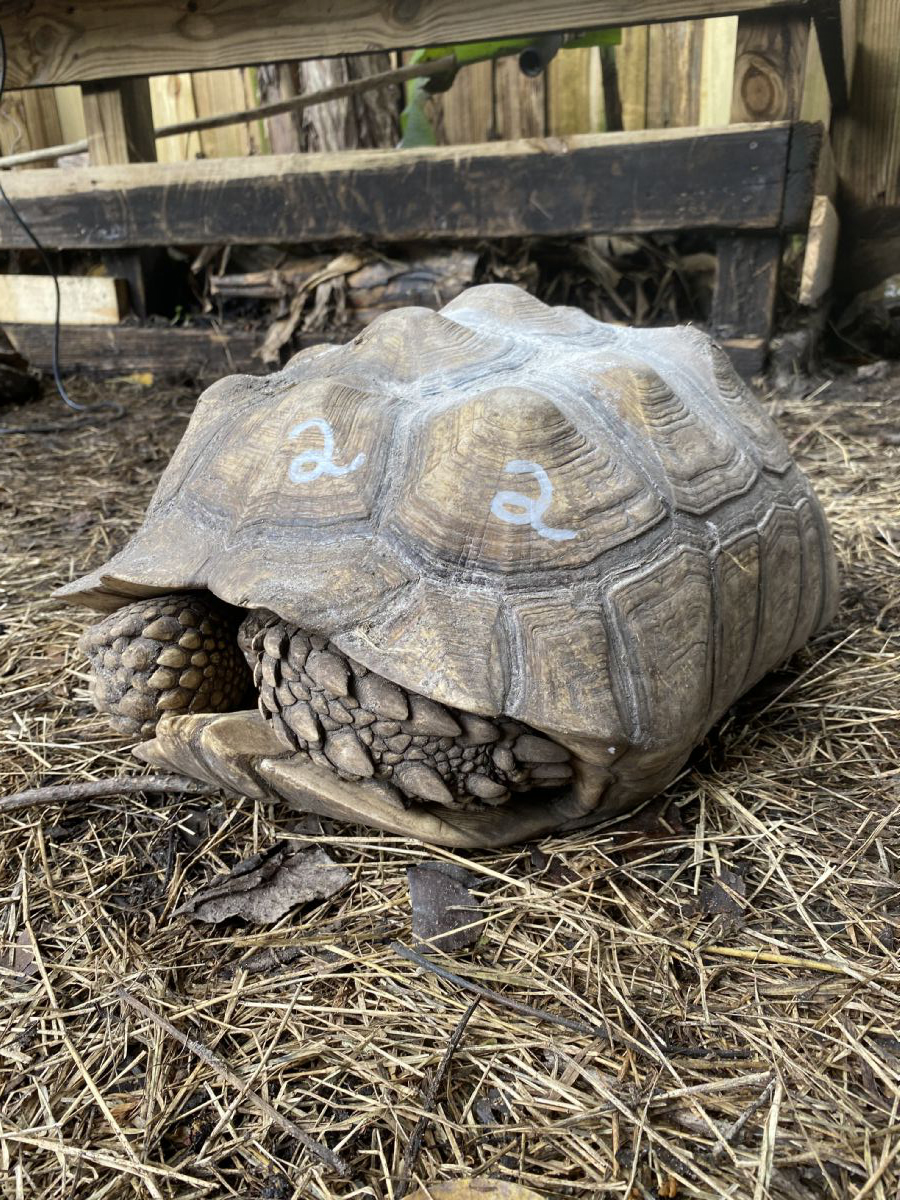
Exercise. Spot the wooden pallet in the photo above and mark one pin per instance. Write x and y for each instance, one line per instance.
(750, 183)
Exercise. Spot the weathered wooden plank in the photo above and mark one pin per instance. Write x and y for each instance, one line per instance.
(674, 74)
(675, 179)
(56, 41)
(119, 121)
(867, 137)
(769, 67)
(162, 350)
(746, 282)
(84, 299)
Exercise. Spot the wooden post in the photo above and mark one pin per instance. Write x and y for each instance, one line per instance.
(769, 70)
(119, 124)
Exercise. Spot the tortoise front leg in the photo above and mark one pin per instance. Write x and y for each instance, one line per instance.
(176, 653)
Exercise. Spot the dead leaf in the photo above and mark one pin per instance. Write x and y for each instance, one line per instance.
(723, 895)
(474, 1189)
(442, 905)
(263, 888)
(19, 957)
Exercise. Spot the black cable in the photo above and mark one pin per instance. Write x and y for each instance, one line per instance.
(110, 406)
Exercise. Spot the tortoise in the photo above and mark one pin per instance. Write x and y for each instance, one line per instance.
(475, 575)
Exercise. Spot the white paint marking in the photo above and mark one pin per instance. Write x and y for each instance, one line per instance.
(322, 461)
(517, 509)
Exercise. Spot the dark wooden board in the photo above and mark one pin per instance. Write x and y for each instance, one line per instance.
(122, 349)
(730, 178)
(746, 281)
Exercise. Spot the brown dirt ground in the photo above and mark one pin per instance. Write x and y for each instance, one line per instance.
(737, 943)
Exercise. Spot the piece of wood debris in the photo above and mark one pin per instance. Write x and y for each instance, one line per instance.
(263, 888)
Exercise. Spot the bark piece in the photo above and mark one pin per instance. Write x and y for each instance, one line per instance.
(263, 888)
(442, 905)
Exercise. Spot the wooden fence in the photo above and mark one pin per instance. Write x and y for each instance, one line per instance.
(670, 75)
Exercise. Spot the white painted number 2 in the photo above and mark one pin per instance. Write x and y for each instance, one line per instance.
(518, 509)
(312, 463)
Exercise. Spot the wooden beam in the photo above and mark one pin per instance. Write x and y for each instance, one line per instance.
(84, 299)
(753, 177)
(746, 284)
(63, 42)
(163, 350)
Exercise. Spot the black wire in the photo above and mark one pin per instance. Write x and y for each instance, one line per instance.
(113, 409)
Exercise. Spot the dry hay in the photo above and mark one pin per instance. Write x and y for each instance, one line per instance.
(736, 956)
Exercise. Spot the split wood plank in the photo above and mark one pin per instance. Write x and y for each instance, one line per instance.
(84, 299)
(73, 43)
(753, 177)
(820, 253)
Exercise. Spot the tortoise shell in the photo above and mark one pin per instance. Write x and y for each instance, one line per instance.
(509, 508)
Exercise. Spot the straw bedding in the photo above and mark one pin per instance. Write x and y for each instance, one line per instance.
(727, 960)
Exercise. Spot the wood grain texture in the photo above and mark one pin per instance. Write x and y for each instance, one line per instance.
(631, 54)
(574, 92)
(674, 74)
(54, 41)
(30, 121)
(867, 135)
(119, 121)
(769, 67)
(84, 300)
(746, 283)
(724, 179)
(466, 111)
(675, 556)
(518, 102)
(121, 349)
(172, 100)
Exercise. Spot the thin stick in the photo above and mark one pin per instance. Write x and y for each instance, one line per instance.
(122, 785)
(222, 1068)
(43, 154)
(297, 103)
(734, 1130)
(525, 1010)
(429, 1100)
